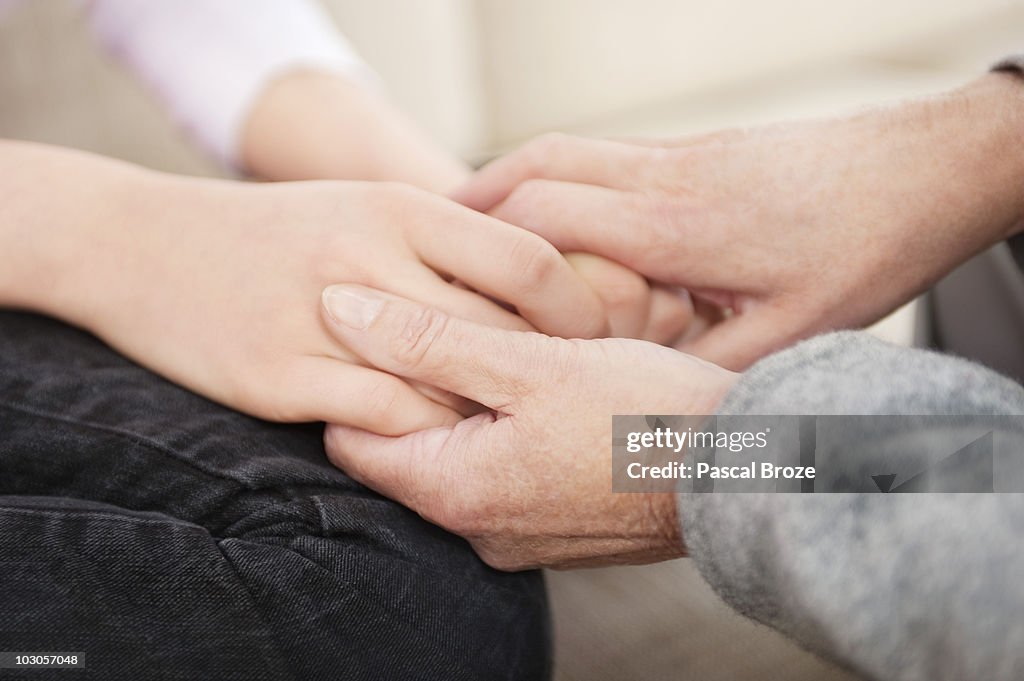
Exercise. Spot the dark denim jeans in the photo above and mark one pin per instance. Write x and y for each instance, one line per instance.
(166, 537)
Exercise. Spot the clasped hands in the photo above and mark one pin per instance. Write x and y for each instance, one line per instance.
(450, 352)
(781, 232)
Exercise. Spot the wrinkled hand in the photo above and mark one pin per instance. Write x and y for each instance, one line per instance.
(530, 484)
(793, 229)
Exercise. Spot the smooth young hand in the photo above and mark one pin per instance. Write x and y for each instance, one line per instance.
(220, 294)
(215, 285)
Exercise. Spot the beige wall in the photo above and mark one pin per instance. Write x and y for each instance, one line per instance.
(427, 53)
(56, 87)
(557, 63)
(484, 74)
(663, 65)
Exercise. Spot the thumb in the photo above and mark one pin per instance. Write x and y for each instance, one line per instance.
(426, 471)
(485, 364)
(399, 468)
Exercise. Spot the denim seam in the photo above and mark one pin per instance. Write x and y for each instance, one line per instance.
(171, 520)
(145, 441)
(319, 531)
(364, 493)
(119, 432)
(102, 515)
(153, 445)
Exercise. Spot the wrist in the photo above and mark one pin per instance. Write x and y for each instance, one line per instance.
(111, 255)
(1011, 84)
(319, 125)
(59, 207)
(982, 141)
(937, 179)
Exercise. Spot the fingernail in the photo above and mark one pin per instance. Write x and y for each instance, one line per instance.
(355, 308)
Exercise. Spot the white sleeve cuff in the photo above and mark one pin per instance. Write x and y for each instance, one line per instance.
(209, 60)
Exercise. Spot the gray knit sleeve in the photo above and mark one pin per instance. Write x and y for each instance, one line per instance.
(907, 586)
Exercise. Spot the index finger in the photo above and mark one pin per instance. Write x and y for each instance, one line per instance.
(514, 266)
(556, 156)
(491, 366)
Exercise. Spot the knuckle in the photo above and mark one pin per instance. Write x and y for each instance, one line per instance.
(535, 156)
(379, 403)
(411, 347)
(528, 191)
(663, 215)
(671, 170)
(522, 204)
(391, 198)
(661, 168)
(625, 289)
(535, 261)
(549, 144)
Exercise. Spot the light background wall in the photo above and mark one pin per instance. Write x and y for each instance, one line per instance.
(484, 75)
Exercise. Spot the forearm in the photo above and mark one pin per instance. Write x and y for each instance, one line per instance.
(942, 176)
(889, 584)
(320, 125)
(53, 205)
(986, 124)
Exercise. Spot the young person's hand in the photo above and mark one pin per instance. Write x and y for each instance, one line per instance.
(529, 485)
(220, 291)
(216, 285)
(794, 229)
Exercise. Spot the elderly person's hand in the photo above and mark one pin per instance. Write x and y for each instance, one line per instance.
(529, 483)
(796, 228)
